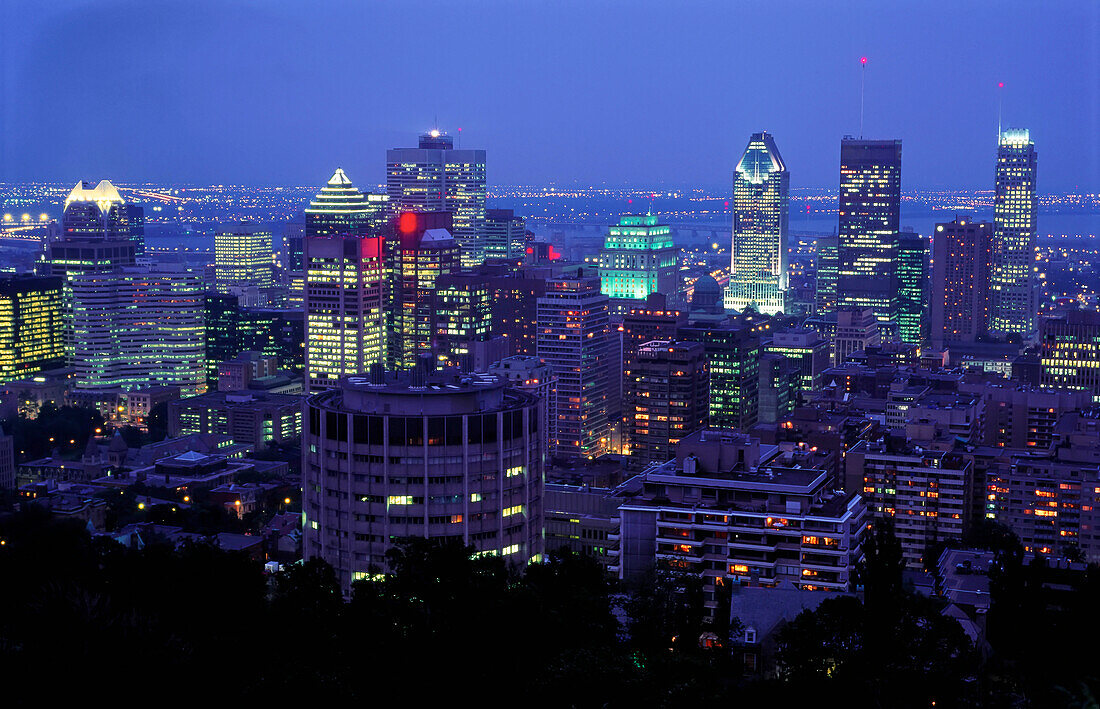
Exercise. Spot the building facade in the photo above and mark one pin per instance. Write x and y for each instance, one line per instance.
(870, 210)
(666, 397)
(576, 341)
(1015, 211)
(733, 355)
(32, 326)
(962, 251)
(243, 258)
(1070, 355)
(421, 454)
(434, 177)
(345, 317)
(759, 264)
(638, 258)
(911, 268)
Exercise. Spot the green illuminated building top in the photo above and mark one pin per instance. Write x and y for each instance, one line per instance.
(638, 258)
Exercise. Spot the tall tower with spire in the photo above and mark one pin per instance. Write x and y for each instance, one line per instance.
(1015, 208)
(758, 266)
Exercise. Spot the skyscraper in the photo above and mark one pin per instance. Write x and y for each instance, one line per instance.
(827, 265)
(243, 258)
(341, 210)
(758, 269)
(961, 254)
(435, 177)
(345, 320)
(464, 322)
(667, 397)
(100, 213)
(425, 251)
(733, 355)
(911, 267)
(139, 326)
(31, 326)
(575, 339)
(638, 258)
(870, 209)
(504, 235)
(1070, 358)
(1015, 209)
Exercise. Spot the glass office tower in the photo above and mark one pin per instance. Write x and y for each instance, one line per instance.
(758, 267)
(1015, 208)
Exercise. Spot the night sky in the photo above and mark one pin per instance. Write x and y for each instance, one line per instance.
(638, 93)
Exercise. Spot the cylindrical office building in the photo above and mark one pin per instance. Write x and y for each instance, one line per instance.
(421, 454)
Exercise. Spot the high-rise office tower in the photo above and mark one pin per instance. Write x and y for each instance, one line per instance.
(1015, 209)
(733, 355)
(758, 267)
(481, 452)
(139, 326)
(425, 251)
(962, 252)
(638, 258)
(504, 235)
(809, 352)
(667, 397)
(243, 258)
(911, 267)
(232, 328)
(31, 326)
(575, 339)
(434, 177)
(345, 317)
(464, 323)
(827, 264)
(870, 209)
(100, 213)
(515, 306)
(1070, 357)
(339, 209)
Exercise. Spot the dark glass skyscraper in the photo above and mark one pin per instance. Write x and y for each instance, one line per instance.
(961, 255)
(911, 268)
(870, 210)
(758, 269)
(1015, 207)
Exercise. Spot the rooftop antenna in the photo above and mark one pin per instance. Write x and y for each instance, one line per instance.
(460, 139)
(1000, 96)
(862, 85)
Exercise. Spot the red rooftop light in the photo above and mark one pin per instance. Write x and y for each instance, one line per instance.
(407, 223)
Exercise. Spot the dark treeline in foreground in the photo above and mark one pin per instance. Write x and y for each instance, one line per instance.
(82, 617)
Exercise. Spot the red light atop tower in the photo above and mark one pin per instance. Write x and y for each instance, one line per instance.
(407, 223)
(1000, 84)
(863, 60)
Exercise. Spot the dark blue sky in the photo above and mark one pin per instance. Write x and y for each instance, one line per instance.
(641, 93)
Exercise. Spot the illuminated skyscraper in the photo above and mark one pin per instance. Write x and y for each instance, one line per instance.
(961, 255)
(911, 267)
(243, 257)
(870, 209)
(575, 339)
(758, 270)
(827, 265)
(139, 326)
(638, 258)
(31, 326)
(1015, 208)
(733, 355)
(464, 333)
(504, 235)
(100, 213)
(425, 251)
(667, 397)
(339, 209)
(345, 319)
(1070, 358)
(435, 177)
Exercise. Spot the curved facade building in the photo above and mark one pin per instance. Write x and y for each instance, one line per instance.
(442, 455)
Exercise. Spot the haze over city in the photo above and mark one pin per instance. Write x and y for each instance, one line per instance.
(639, 93)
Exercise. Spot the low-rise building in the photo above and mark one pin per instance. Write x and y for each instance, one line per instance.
(250, 417)
(728, 507)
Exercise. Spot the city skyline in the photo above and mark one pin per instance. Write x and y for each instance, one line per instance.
(215, 126)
